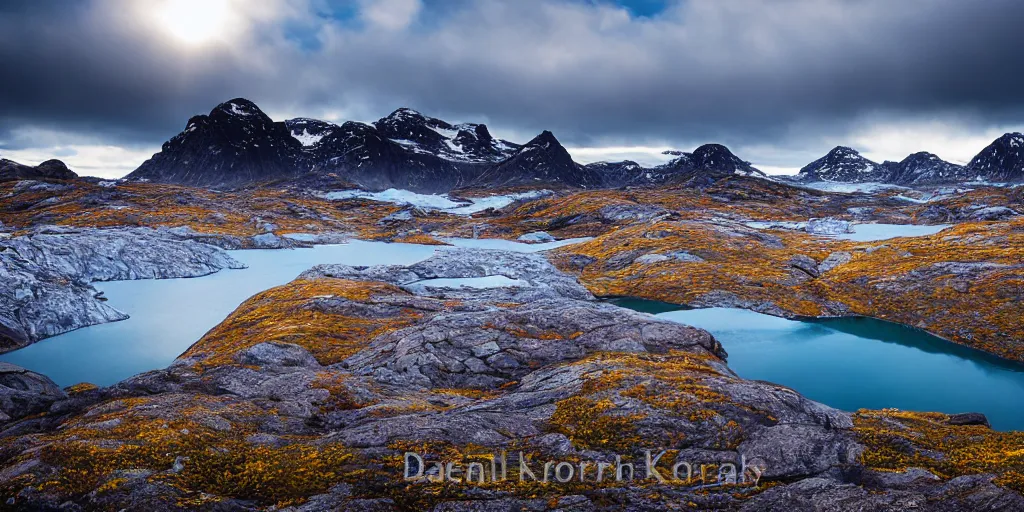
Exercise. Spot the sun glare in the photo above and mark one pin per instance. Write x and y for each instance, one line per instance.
(193, 21)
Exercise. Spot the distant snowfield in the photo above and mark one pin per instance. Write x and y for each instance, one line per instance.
(850, 188)
(439, 202)
(872, 187)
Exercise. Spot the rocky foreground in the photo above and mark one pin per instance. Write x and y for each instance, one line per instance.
(325, 393)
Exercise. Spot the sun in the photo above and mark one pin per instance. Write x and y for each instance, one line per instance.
(193, 22)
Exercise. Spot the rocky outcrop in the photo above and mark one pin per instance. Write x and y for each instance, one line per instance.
(37, 302)
(48, 170)
(118, 254)
(45, 290)
(828, 226)
(24, 392)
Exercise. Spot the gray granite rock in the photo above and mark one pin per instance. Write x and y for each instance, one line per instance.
(45, 275)
(24, 392)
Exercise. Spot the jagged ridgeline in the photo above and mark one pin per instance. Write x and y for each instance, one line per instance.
(237, 144)
(1000, 162)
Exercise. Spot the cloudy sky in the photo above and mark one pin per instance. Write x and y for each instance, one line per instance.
(102, 83)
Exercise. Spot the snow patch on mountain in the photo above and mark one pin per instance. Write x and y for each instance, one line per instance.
(309, 139)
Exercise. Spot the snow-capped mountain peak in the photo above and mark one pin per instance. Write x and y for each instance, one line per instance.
(842, 164)
(1000, 162)
(238, 107)
(467, 142)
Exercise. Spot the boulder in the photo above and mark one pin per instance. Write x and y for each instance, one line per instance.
(537, 237)
(24, 392)
(828, 226)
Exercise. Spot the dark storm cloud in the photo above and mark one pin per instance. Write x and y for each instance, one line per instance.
(737, 72)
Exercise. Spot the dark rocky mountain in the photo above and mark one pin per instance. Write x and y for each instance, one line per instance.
(707, 163)
(923, 168)
(716, 159)
(704, 165)
(236, 144)
(48, 170)
(844, 165)
(542, 161)
(358, 153)
(619, 174)
(1000, 162)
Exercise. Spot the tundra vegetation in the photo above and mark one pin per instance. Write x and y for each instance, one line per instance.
(309, 394)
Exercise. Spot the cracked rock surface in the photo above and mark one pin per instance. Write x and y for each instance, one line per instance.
(45, 275)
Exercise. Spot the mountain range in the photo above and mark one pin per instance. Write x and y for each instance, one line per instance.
(1002, 161)
(237, 144)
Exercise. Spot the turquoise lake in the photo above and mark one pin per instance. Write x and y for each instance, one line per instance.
(853, 363)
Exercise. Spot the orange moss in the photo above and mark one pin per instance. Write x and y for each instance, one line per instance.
(290, 314)
(897, 440)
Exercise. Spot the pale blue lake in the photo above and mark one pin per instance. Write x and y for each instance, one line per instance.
(169, 315)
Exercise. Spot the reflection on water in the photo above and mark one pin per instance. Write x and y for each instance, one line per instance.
(853, 363)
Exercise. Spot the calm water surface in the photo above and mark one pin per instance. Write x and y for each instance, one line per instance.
(854, 363)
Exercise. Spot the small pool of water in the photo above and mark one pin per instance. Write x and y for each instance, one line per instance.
(869, 232)
(874, 232)
(853, 363)
(169, 315)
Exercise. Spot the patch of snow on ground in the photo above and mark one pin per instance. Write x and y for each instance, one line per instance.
(480, 204)
(850, 188)
(467, 282)
(911, 199)
(436, 201)
(397, 196)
